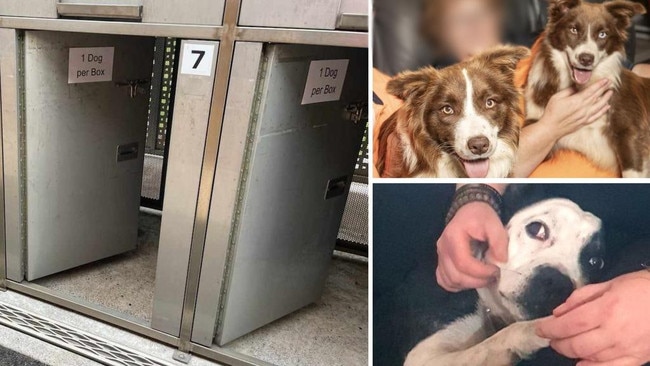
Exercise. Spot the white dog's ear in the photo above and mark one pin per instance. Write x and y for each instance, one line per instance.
(411, 84)
(558, 8)
(624, 11)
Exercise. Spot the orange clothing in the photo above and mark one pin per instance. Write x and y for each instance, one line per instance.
(563, 164)
(382, 112)
(570, 164)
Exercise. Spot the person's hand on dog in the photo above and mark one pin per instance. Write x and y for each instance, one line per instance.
(569, 110)
(457, 268)
(604, 324)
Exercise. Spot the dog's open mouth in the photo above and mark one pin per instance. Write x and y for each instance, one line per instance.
(581, 76)
(476, 168)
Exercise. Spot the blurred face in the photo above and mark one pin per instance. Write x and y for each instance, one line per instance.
(469, 27)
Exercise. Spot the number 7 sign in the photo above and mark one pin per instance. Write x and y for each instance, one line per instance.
(197, 58)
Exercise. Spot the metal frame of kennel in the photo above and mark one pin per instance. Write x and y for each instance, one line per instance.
(228, 35)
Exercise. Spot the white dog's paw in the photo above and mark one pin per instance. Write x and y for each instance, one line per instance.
(527, 341)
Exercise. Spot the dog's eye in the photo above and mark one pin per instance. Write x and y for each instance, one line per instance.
(490, 103)
(573, 30)
(537, 230)
(597, 263)
(602, 35)
(447, 110)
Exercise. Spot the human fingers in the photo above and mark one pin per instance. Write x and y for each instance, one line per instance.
(584, 345)
(564, 93)
(458, 281)
(581, 296)
(600, 101)
(603, 93)
(599, 113)
(443, 279)
(609, 354)
(579, 320)
(594, 90)
(624, 361)
(497, 239)
(465, 262)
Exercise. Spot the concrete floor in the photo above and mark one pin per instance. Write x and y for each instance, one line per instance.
(333, 331)
(330, 332)
(124, 283)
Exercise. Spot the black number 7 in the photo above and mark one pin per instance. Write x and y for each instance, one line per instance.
(198, 60)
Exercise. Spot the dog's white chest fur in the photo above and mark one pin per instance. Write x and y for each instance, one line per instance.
(589, 140)
(592, 143)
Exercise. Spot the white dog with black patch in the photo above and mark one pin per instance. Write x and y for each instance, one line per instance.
(554, 248)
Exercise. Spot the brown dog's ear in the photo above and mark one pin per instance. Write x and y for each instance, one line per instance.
(412, 83)
(557, 8)
(624, 11)
(505, 58)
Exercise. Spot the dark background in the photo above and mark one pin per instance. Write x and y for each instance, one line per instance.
(408, 218)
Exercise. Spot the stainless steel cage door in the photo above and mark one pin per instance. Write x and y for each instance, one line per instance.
(84, 149)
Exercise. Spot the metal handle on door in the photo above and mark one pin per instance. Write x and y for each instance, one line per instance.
(357, 112)
(127, 151)
(135, 86)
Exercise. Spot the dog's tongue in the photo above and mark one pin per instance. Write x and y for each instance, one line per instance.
(477, 168)
(581, 76)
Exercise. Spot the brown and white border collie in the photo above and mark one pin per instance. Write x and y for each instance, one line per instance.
(584, 43)
(458, 122)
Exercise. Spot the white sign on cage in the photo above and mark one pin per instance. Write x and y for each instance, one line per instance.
(325, 81)
(90, 65)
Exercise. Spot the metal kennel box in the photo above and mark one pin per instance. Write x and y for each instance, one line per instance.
(282, 179)
(258, 174)
(316, 14)
(192, 12)
(80, 158)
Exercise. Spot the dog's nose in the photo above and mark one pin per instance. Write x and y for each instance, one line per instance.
(586, 59)
(478, 145)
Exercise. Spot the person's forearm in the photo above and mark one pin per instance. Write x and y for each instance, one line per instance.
(642, 70)
(535, 143)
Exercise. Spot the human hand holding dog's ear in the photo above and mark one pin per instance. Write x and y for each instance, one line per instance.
(603, 324)
(457, 268)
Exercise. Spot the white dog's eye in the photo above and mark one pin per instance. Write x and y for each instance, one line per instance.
(597, 263)
(573, 30)
(602, 35)
(537, 230)
(447, 110)
(490, 103)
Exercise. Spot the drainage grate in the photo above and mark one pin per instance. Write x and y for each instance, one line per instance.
(87, 345)
(354, 226)
(152, 176)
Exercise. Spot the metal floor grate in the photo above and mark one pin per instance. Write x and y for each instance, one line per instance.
(74, 340)
(354, 226)
(152, 176)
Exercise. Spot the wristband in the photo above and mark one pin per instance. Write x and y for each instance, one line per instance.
(475, 193)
